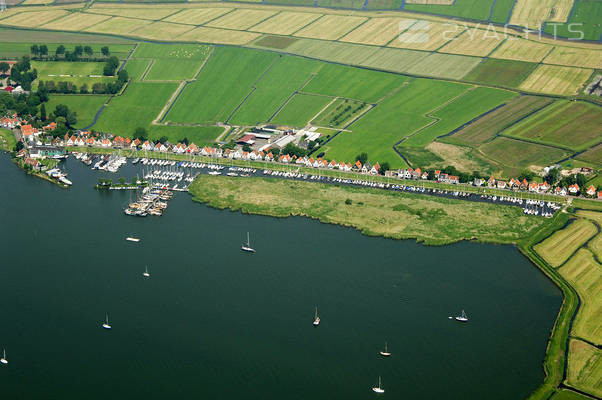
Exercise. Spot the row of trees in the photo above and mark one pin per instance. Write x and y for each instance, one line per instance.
(61, 53)
(97, 88)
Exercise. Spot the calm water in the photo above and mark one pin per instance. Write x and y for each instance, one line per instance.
(213, 322)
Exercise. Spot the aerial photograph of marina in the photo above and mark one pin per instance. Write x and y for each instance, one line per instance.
(301, 199)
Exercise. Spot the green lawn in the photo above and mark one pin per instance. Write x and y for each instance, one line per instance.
(285, 77)
(86, 106)
(77, 73)
(496, 72)
(199, 135)
(136, 67)
(339, 113)
(171, 70)
(300, 110)
(586, 12)
(7, 139)
(222, 85)
(143, 102)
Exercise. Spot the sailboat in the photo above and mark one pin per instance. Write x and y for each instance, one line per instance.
(386, 352)
(378, 389)
(132, 239)
(316, 318)
(462, 318)
(106, 324)
(146, 273)
(247, 245)
(3, 360)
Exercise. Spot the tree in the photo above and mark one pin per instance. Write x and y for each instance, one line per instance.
(43, 50)
(163, 139)
(4, 67)
(62, 111)
(105, 51)
(122, 76)
(140, 133)
(78, 51)
(293, 150)
(88, 50)
(35, 50)
(43, 112)
(362, 157)
(19, 146)
(384, 167)
(581, 180)
(60, 50)
(83, 89)
(246, 148)
(185, 141)
(526, 174)
(552, 176)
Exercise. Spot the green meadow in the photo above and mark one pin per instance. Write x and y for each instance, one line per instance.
(301, 109)
(86, 106)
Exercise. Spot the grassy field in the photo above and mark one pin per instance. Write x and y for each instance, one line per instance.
(444, 66)
(376, 31)
(396, 60)
(77, 73)
(397, 215)
(7, 140)
(221, 36)
(200, 135)
(573, 125)
(85, 106)
(339, 113)
(438, 155)
(533, 13)
(585, 367)
(162, 31)
(300, 110)
(500, 72)
(76, 21)
(34, 18)
(330, 27)
(565, 394)
(172, 62)
(348, 53)
(136, 67)
(592, 155)
(584, 273)
(586, 12)
(137, 12)
(575, 57)
(222, 85)
(556, 80)
(474, 9)
(487, 127)
(522, 50)
(241, 19)
(413, 38)
(476, 42)
(562, 244)
(517, 155)
(285, 23)
(285, 77)
(197, 16)
(118, 26)
(144, 100)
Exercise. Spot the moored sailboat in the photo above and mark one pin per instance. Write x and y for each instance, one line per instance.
(316, 318)
(462, 318)
(386, 352)
(106, 324)
(146, 273)
(247, 245)
(3, 360)
(379, 388)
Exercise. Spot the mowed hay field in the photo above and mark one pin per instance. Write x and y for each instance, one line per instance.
(487, 127)
(522, 50)
(574, 125)
(76, 22)
(592, 155)
(533, 13)
(138, 12)
(241, 19)
(475, 42)
(562, 244)
(196, 16)
(118, 25)
(556, 80)
(285, 23)
(575, 57)
(34, 18)
(501, 72)
(330, 27)
(332, 51)
(517, 155)
(584, 274)
(218, 36)
(162, 31)
(395, 60)
(444, 66)
(376, 31)
(585, 367)
(425, 35)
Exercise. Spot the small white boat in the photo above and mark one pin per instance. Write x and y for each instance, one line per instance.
(386, 352)
(146, 273)
(106, 325)
(378, 389)
(463, 317)
(316, 318)
(132, 239)
(3, 360)
(247, 246)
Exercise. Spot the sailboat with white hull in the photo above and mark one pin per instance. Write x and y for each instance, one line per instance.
(463, 317)
(3, 360)
(386, 352)
(316, 318)
(146, 274)
(106, 324)
(378, 389)
(247, 245)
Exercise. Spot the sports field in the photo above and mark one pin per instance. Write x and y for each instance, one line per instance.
(556, 80)
(585, 367)
(561, 245)
(501, 72)
(78, 73)
(86, 106)
(300, 110)
(574, 125)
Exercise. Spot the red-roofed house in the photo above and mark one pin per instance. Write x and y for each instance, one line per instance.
(591, 191)
(574, 189)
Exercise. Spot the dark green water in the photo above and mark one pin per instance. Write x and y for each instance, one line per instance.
(213, 322)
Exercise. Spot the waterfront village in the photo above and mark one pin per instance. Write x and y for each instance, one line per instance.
(265, 143)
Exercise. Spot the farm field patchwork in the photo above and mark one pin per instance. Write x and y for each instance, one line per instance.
(556, 79)
(487, 127)
(135, 12)
(168, 70)
(300, 110)
(444, 66)
(332, 51)
(533, 13)
(376, 31)
(522, 50)
(500, 72)
(585, 367)
(196, 16)
(221, 36)
(562, 244)
(285, 23)
(241, 19)
(34, 18)
(474, 9)
(222, 85)
(585, 12)
(118, 25)
(575, 57)
(574, 125)
(274, 42)
(161, 31)
(136, 67)
(357, 4)
(425, 35)
(339, 113)
(474, 42)
(396, 60)
(75, 21)
(592, 155)
(330, 27)
(172, 51)
(85, 106)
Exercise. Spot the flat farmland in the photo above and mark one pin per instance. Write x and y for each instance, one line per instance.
(460, 111)
(522, 50)
(574, 125)
(396, 60)
(170, 70)
(137, 12)
(34, 18)
(330, 27)
(199, 135)
(585, 367)
(222, 85)
(562, 244)
(136, 67)
(475, 9)
(285, 23)
(384, 4)
(339, 113)
(274, 42)
(474, 42)
(566, 394)
(16, 50)
(532, 13)
(142, 99)
(425, 35)
(575, 57)
(118, 25)
(447, 66)
(487, 127)
(172, 51)
(221, 36)
(285, 77)
(300, 110)
(501, 72)
(85, 106)
(57, 68)
(592, 155)
(241, 19)
(196, 16)
(161, 31)
(357, 4)
(332, 51)
(354, 83)
(587, 13)
(556, 80)
(584, 273)
(595, 245)
(76, 21)
(518, 155)
(376, 31)
(36, 2)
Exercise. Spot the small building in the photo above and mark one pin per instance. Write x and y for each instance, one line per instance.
(574, 189)
(591, 191)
